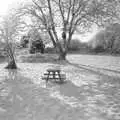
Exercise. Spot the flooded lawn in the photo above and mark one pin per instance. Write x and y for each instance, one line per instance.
(86, 95)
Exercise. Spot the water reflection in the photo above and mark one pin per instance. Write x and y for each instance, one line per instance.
(12, 74)
(10, 95)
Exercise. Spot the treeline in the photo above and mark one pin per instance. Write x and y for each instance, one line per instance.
(107, 40)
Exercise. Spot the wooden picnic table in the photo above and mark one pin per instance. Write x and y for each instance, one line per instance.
(54, 74)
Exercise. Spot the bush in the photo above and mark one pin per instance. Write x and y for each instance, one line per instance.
(24, 41)
(99, 49)
(74, 45)
(37, 46)
(50, 50)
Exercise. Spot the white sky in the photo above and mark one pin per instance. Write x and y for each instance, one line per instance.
(6, 4)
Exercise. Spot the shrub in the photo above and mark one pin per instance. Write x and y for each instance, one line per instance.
(74, 45)
(99, 49)
(50, 50)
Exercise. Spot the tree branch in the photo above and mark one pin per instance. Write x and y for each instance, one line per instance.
(52, 20)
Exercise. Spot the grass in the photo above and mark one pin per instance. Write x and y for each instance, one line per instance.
(38, 58)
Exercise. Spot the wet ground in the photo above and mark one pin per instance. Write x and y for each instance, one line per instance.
(90, 93)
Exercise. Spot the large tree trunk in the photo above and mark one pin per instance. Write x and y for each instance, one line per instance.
(62, 56)
(62, 52)
(11, 65)
(12, 62)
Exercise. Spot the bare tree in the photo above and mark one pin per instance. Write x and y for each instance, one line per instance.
(69, 15)
(10, 27)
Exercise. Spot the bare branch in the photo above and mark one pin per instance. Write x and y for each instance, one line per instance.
(69, 9)
(40, 8)
(52, 20)
(61, 11)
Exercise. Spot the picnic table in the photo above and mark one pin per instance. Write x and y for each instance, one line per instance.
(54, 74)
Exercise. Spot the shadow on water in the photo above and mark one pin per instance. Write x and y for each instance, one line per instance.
(70, 90)
(67, 92)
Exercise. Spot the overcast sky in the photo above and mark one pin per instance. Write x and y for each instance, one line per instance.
(5, 5)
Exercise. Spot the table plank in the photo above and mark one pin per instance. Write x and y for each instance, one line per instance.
(54, 74)
(53, 70)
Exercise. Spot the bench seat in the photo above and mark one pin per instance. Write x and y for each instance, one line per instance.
(54, 74)
(52, 78)
(62, 75)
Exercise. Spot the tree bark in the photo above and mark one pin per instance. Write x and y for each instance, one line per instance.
(62, 56)
(11, 65)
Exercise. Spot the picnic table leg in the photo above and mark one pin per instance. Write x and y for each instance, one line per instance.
(59, 76)
(54, 76)
(47, 77)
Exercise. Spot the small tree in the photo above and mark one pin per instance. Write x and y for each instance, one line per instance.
(10, 27)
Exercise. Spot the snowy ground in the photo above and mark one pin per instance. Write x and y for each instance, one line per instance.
(92, 90)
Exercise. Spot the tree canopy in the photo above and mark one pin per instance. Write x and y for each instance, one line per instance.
(61, 18)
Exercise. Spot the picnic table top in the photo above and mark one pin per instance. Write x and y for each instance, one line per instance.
(53, 70)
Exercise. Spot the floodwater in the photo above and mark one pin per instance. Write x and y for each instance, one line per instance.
(86, 95)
